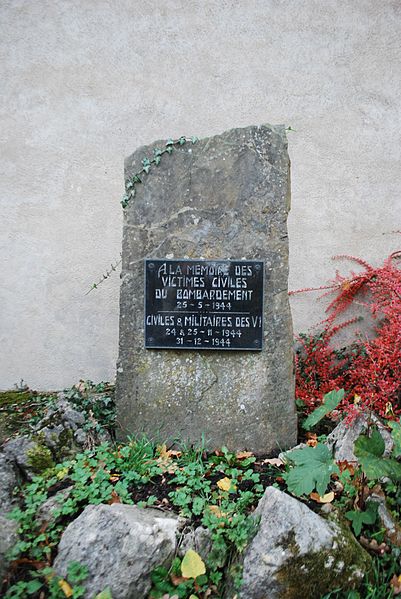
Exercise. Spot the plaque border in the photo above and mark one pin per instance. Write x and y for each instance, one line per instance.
(194, 349)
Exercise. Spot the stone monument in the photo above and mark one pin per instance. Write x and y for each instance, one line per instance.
(205, 326)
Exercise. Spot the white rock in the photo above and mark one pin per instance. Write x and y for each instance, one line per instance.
(341, 440)
(121, 545)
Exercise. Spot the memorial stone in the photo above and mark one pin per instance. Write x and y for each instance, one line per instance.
(205, 325)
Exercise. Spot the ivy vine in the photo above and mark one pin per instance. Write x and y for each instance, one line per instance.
(148, 163)
(136, 179)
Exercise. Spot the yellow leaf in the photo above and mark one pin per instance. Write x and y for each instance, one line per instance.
(162, 451)
(192, 565)
(65, 587)
(217, 511)
(62, 473)
(327, 498)
(226, 484)
(357, 399)
(193, 597)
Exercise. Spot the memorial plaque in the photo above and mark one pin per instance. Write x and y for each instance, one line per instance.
(204, 304)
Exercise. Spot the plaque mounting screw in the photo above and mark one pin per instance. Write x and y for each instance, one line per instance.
(151, 266)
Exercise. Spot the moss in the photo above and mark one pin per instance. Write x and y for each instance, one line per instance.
(12, 397)
(320, 572)
(40, 459)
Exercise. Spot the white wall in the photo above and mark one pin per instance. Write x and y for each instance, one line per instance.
(85, 82)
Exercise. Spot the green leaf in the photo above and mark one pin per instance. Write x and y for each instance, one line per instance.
(359, 518)
(330, 402)
(312, 469)
(197, 505)
(369, 451)
(106, 594)
(396, 436)
(33, 586)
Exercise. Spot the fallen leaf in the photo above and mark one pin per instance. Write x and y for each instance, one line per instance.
(395, 582)
(373, 545)
(345, 465)
(65, 587)
(327, 498)
(357, 399)
(176, 580)
(192, 565)
(312, 442)
(114, 498)
(216, 511)
(226, 484)
(241, 455)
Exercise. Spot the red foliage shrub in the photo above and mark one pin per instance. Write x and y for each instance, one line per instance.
(370, 369)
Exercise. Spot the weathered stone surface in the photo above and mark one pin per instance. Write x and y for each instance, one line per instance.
(297, 553)
(8, 482)
(8, 538)
(45, 513)
(199, 539)
(341, 440)
(121, 545)
(17, 451)
(225, 197)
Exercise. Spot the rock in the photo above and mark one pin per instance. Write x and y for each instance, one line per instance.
(224, 197)
(8, 482)
(297, 553)
(59, 427)
(17, 450)
(391, 527)
(341, 440)
(8, 538)
(121, 545)
(199, 539)
(45, 512)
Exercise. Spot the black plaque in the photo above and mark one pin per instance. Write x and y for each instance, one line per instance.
(204, 304)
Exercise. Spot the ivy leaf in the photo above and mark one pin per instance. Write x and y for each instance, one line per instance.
(192, 565)
(312, 469)
(396, 436)
(359, 518)
(369, 451)
(330, 402)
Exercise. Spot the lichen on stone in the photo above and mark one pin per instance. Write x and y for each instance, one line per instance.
(313, 575)
(40, 459)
